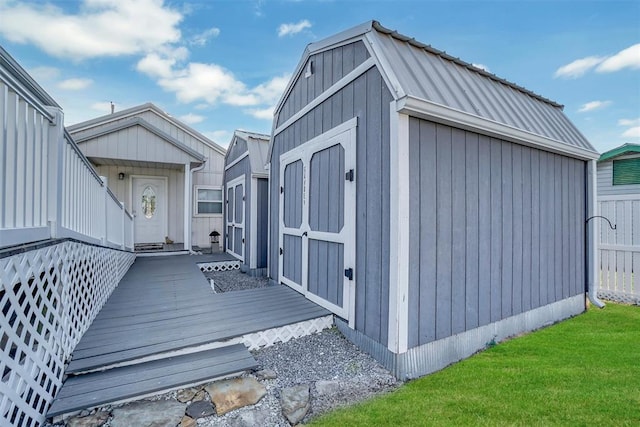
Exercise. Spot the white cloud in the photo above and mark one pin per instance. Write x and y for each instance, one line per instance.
(578, 67)
(101, 28)
(202, 38)
(633, 132)
(75, 84)
(271, 91)
(191, 118)
(633, 126)
(211, 84)
(221, 137)
(291, 29)
(261, 113)
(204, 82)
(629, 122)
(44, 73)
(482, 67)
(594, 105)
(626, 58)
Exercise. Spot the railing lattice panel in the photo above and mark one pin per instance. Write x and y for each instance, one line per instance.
(48, 299)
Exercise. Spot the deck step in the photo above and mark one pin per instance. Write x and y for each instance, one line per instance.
(128, 382)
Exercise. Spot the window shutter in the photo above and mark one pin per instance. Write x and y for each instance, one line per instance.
(626, 171)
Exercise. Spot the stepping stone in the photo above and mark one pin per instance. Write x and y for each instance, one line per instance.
(236, 393)
(158, 413)
(200, 409)
(295, 403)
(187, 394)
(96, 420)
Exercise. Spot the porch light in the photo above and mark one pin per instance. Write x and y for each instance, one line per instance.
(121, 176)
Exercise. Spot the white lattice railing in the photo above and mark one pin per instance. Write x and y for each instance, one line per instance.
(48, 188)
(620, 248)
(48, 298)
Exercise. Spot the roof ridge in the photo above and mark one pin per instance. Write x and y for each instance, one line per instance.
(444, 55)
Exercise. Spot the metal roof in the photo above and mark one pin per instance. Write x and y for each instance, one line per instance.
(258, 148)
(620, 151)
(416, 70)
(426, 73)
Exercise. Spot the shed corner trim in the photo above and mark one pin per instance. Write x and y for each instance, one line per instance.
(442, 114)
(399, 222)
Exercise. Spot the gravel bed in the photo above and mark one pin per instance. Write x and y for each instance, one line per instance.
(235, 280)
(325, 356)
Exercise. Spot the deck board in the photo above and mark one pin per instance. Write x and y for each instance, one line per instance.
(118, 384)
(165, 304)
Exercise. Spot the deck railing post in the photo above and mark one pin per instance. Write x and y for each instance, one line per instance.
(55, 151)
(105, 204)
(124, 219)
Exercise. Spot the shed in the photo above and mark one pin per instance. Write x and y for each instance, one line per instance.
(619, 171)
(432, 206)
(246, 200)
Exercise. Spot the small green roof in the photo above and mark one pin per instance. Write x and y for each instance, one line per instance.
(619, 151)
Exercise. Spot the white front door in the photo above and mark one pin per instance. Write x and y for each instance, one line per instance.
(235, 217)
(149, 207)
(317, 220)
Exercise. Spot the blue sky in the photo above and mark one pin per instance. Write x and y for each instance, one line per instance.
(222, 65)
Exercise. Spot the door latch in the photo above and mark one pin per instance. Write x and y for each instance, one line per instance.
(348, 273)
(349, 176)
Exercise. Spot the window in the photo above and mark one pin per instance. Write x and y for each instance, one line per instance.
(626, 171)
(208, 200)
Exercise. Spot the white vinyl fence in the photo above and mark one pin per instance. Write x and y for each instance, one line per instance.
(48, 187)
(620, 248)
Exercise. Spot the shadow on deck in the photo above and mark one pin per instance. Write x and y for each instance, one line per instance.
(163, 328)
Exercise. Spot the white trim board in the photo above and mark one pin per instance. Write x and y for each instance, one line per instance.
(442, 114)
(236, 161)
(241, 180)
(337, 86)
(346, 236)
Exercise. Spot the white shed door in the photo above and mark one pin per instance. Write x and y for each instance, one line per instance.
(235, 217)
(149, 206)
(317, 221)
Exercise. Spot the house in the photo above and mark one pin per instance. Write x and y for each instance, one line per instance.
(246, 201)
(168, 175)
(619, 171)
(619, 222)
(432, 206)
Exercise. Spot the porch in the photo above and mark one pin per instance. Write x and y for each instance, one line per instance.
(164, 328)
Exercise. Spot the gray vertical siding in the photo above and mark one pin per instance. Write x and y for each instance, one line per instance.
(236, 150)
(497, 230)
(329, 67)
(368, 99)
(326, 190)
(326, 269)
(262, 211)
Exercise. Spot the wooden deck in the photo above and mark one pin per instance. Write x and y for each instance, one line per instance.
(162, 305)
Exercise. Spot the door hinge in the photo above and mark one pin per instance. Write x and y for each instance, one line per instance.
(243, 240)
(281, 189)
(281, 251)
(348, 273)
(243, 198)
(349, 176)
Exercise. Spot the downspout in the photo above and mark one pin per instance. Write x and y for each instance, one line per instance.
(591, 236)
(190, 208)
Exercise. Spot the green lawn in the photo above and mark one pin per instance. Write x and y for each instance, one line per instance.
(583, 371)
